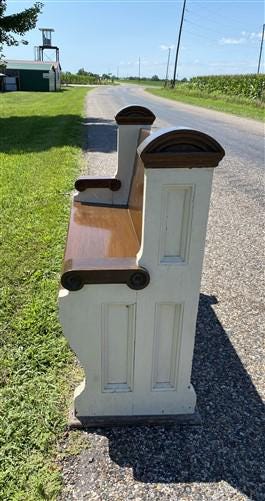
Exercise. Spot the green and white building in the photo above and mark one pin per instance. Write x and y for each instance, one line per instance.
(32, 76)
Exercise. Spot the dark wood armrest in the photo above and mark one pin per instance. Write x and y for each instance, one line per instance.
(77, 273)
(84, 182)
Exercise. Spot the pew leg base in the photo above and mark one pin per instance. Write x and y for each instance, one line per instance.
(83, 422)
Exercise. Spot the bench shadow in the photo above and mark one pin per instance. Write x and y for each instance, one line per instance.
(100, 134)
(35, 133)
(228, 444)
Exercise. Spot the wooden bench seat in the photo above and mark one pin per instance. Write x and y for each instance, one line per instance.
(101, 232)
(102, 244)
(103, 241)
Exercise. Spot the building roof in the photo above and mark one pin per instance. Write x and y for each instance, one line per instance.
(31, 65)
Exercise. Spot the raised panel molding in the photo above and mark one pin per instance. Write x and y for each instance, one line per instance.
(175, 223)
(168, 328)
(118, 340)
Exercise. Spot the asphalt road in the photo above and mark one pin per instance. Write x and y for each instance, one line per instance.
(242, 139)
(222, 459)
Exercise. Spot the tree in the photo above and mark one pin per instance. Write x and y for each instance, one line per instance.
(17, 24)
(82, 72)
(106, 76)
(155, 78)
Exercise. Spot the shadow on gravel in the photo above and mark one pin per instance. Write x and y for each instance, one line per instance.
(230, 443)
(101, 135)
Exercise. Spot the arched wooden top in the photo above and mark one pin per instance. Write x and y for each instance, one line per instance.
(134, 114)
(178, 147)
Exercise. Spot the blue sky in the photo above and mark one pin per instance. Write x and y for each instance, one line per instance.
(218, 36)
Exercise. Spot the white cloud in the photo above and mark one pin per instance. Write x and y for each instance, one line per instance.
(166, 47)
(255, 36)
(232, 41)
(252, 36)
(246, 36)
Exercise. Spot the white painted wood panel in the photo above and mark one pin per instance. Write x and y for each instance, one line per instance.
(166, 346)
(163, 399)
(81, 315)
(118, 335)
(175, 224)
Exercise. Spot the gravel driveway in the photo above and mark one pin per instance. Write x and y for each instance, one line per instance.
(224, 457)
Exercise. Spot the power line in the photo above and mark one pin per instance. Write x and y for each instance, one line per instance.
(210, 29)
(247, 47)
(203, 27)
(200, 36)
(217, 16)
(205, 16)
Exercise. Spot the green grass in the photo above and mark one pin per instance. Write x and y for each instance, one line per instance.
(41, 136)
(229, 104)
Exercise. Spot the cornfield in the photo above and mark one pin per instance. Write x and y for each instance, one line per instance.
(249, 86)
(69, 78)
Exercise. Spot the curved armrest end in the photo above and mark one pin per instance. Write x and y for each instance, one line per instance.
(85, 182)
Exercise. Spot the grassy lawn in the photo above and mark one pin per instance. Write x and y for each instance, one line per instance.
(40, 144)
(229, 104)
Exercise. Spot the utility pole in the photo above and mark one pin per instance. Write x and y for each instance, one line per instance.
(261, 47)
(168, 59)
(179, 38)
(139, 69)
(118, 72)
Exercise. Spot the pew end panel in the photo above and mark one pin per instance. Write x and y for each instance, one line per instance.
(179, 165)
(136, 345)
